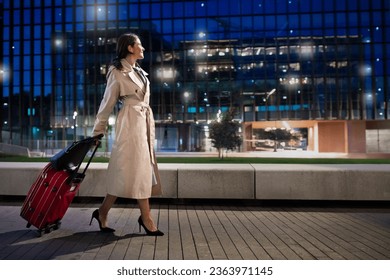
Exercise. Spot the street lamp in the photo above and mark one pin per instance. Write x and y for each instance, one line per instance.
(266, 100)
(74, 125)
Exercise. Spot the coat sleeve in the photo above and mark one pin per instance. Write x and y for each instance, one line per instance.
(110, 98)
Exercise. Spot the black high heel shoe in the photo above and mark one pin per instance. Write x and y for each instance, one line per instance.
(95, 215)
(148, 232)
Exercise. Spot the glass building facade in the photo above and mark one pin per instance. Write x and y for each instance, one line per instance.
(271, 60)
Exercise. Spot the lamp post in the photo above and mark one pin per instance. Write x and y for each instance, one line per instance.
(266, 100)
(74, 124)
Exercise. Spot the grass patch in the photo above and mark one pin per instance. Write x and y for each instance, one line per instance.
(211, 160)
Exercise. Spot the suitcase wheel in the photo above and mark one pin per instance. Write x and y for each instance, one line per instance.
(57, 225)
(48, 229)
(28, 225)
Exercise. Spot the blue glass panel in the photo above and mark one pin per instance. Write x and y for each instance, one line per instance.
(282, 6)
(16, 89)
(47, 31)
(270, 23)
(26, 47)
(58, 28)
(37, 16)
(6, 90)
(364, 4)
(79, 26)
(328, 5)
(133, 11)
(352, 5)
(211, 8)
(189, 9)
(247, 6)
(47, 15)
(365, 19)
(79, 14)
(112, 13)
(269, 7)
(16, 3)
(6, 48)
(68, 14)
(200, 9)
(167, 26)
(341, 5)
(37, 62)
(47, 61)
(16, 17)
(293, 6)
(68, 27)
(16, 47)
(47, 89)
(5, 35)
(377, 18)
(122, 12)
(377, 34)
(379, 67)
(47, 77)
(329, 21)
(282, 24)
(16, 77)
(189, 25)
(200, 25)
(58, 15)
(317, 20)
(352, 19)
(157, 11)
(258, 24)
(144, 11)
(178, 26)
(101, 12)
(6, 18)
(26, 32)
(386, 5)
(37, 77)
(341, 20)
(27, 16)
(90, 13)
(341, 32)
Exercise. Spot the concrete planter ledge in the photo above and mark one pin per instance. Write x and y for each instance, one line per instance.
(368, 182)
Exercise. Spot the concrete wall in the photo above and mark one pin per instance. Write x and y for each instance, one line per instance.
(234, 181)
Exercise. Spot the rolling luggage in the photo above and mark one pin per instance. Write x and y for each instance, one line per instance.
(57, 184)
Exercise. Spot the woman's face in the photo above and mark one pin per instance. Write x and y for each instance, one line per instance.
(137, 49)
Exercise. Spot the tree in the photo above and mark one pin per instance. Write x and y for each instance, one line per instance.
(224, 133)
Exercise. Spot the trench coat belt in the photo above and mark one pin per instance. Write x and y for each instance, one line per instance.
(150, 126)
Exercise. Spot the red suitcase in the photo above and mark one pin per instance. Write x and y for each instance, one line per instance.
(51, 194)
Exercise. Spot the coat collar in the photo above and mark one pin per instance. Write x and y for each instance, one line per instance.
(129, 70)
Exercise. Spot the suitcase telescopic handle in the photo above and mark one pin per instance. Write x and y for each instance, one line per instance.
(78, 177)
(93, 153)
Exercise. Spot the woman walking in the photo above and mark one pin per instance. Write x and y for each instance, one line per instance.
(132, 169)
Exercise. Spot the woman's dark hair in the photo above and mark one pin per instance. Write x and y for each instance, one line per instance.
(122, 51)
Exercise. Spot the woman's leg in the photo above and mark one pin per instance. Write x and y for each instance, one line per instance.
(145, 214)
(108, 201)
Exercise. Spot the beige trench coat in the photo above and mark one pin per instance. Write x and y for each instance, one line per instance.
(132, 163)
